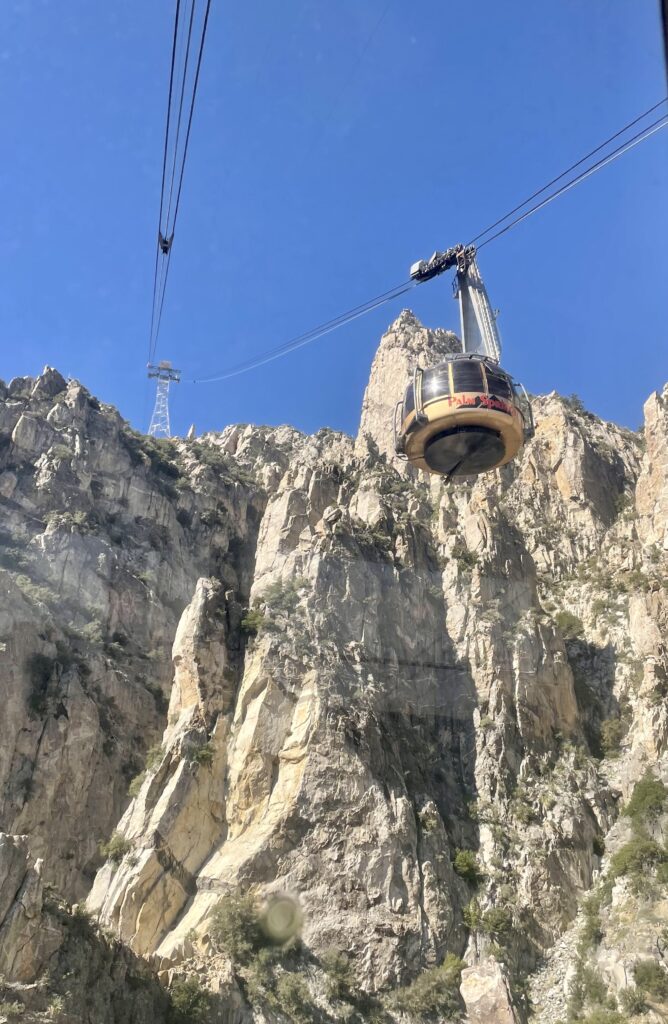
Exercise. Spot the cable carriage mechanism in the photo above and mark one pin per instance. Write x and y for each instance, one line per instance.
(466, 415)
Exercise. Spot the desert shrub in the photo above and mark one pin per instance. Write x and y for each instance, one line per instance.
(13, 1010)
(467, 867)
(594, 989)
(339, 973)
(472, 915)
(434, 991)
(115, 848)
(203, 755)
(190, 1003)
(465, 558)
(636, 857)
(259, 976)
(294, 998)
(612, 733)
(647, 800)
(235, 928)
(575, 403)
(497, 922)
(282, 595)
(570, 625)
(652, 978)
(253, 622)
(136, 784)
(55, 1007)
(633, 1001)
(154, 756)
(591, 932)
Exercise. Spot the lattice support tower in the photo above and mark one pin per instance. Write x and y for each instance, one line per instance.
(165, 374)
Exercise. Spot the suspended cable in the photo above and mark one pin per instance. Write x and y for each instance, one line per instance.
(651, 129)
(312, 335)
(166, 225)
(164, 168)
(178, 122)
(192, 108)
(318, 332)
(568, 170)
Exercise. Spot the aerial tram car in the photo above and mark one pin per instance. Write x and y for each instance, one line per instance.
(466, 415)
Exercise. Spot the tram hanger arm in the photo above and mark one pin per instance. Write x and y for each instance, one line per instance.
(459, 256)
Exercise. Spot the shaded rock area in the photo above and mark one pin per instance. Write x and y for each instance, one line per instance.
(261, 664)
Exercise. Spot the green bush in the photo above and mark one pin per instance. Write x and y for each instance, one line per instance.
(591, 932)
(136, 784)
(116, 848)
(633, 1001)
(636, 857)
(472, 915)
(253, 622)
(190, 1003)
(570, 625)
(204, 755)
(647, 800)
(235, 927)
(434, 991)
(652, 978)
(497, 922)
(465, 558)
(154, 756)
(467, 867)
(340, 978)
(612, 733)
(12, 1010)
(283, 595)
(294, 998)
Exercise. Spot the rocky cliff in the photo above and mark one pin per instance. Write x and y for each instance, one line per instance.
(262, 664)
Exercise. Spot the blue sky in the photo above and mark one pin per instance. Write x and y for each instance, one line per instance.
(333, 144)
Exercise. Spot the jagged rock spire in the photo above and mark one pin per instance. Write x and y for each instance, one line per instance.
(405, 344)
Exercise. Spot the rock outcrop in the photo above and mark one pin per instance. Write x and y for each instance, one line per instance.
(414, 707)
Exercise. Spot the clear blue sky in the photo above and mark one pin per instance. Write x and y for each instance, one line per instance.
(333, 144)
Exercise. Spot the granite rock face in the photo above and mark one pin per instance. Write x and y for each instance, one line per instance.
(415, 707)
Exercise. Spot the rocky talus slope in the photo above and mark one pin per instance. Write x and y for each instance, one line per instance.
(260, 663)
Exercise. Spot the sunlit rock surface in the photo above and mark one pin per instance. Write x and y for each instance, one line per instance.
(322, 677)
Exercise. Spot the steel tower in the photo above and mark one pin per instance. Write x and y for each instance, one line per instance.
(164, 373)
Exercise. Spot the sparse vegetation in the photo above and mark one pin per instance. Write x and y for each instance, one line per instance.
(154, 756)
(650, 977)
(115, 848)
(570, 625)
(467, 867)
(253, 622)
(13, 1010)
(203, 755)
(465, 558)
(434, 991)
(235, 928)
(190, 1003)
(612, 733)
(633, 1001)
(340, 978)
(636, 858)
(136, 784)
(647, 800)
(294, 998)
